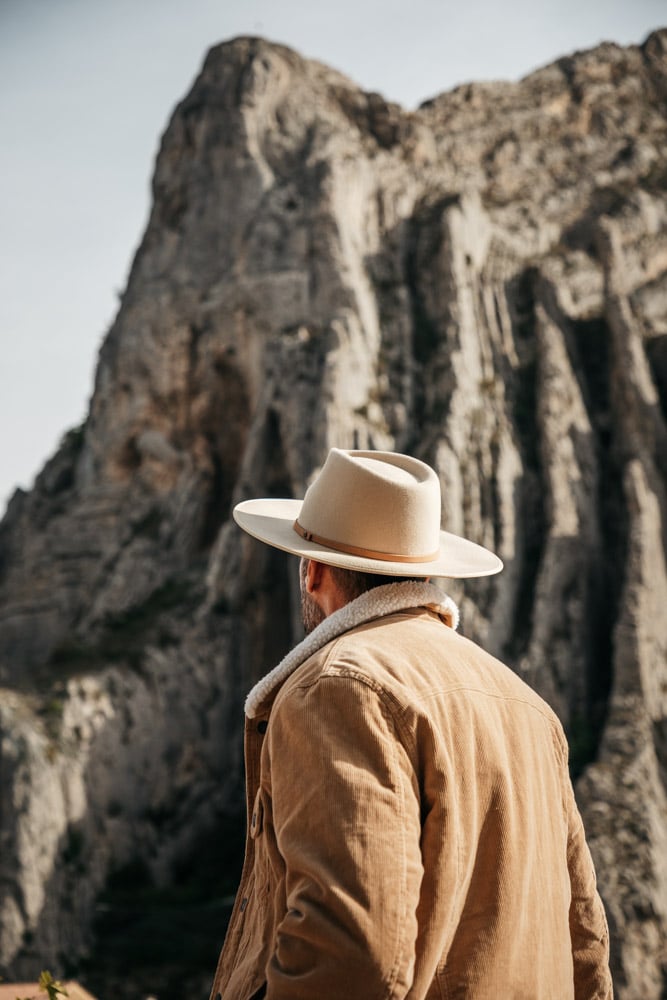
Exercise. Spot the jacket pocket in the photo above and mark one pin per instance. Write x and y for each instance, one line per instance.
(258, 833)
(257, 819)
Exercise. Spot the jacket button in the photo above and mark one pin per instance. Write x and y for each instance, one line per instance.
(262, 726)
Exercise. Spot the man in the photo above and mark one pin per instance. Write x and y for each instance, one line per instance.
(412, 827)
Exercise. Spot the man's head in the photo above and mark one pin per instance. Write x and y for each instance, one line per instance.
(325, 589)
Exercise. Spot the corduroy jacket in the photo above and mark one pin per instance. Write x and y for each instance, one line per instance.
(412, 831)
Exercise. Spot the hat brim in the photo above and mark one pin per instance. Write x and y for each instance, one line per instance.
(272, 521)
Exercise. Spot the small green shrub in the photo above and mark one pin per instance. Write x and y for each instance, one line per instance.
(50, 986)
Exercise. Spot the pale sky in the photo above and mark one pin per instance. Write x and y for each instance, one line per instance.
(86, 90)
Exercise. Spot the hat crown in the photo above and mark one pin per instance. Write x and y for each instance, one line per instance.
(382, 503)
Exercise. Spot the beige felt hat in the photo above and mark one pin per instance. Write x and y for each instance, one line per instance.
(372, 511)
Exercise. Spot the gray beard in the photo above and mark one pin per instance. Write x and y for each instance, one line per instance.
(311, 612)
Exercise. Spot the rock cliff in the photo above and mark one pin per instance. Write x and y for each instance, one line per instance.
(482, 283)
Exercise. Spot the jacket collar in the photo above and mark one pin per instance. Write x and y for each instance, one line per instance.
(376, 603)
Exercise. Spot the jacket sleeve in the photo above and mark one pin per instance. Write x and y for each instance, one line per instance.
(588, 924)
(347, 824)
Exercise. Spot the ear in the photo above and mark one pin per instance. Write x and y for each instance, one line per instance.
(314, 572)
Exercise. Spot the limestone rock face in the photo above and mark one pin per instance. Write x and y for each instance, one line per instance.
(481, 283)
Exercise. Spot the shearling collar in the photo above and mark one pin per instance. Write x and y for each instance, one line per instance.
(376, 603)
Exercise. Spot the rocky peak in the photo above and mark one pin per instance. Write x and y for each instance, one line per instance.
(482, 283)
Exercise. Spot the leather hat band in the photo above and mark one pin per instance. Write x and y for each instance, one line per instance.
(353, 550)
